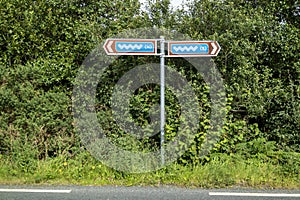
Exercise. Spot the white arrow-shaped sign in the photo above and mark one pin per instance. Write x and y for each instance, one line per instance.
(193, 48)
(215, 48)
(114, 46)
(109, 49)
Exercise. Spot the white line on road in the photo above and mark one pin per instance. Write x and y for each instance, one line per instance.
(252, 194)
(35, 190)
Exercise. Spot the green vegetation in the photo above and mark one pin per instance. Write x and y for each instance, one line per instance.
(220, 171)
(43, 44)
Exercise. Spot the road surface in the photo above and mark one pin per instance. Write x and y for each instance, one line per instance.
(132, 193)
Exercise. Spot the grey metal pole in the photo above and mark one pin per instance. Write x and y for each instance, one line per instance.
(162, 99)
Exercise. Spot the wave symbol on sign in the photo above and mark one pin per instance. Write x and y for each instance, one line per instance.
(130, 46)
(186, 48)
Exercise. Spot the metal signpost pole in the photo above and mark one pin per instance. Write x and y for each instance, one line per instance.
(162, 99)
(115, 46)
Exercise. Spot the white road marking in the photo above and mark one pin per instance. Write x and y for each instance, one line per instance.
(253, 194)
(35, 191)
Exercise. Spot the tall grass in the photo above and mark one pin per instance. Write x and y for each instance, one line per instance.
(220, 171)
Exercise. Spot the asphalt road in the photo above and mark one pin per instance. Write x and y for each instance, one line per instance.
(132, 193)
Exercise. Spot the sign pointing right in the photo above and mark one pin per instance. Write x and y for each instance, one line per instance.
(193, 48)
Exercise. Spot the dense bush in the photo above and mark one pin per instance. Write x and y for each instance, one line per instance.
(43, 43)
(259, 61)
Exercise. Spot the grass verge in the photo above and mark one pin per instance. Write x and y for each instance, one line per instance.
(220, 171)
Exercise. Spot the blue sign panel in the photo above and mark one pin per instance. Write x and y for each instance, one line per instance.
(136, 47)
(189, 48)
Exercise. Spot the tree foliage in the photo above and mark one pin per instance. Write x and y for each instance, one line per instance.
(43, 43)
(259, 61)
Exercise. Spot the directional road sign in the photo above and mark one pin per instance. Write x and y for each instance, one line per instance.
(149, 47)
(193, 48)
(130, 46)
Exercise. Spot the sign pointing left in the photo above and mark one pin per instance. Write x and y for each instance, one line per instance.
(130, 46)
